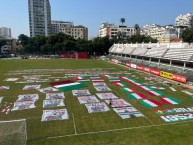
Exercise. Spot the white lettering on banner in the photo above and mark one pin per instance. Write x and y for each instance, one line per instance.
(178, 117)
(133, 65)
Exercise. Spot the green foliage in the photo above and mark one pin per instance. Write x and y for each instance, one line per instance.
(187, 35)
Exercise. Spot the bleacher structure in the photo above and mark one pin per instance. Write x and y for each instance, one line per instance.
(173, 57)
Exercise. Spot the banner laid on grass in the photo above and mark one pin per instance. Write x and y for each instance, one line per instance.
(170, 100)
(1, 98)
(80, 92)
(28, 97)
(102, 88)
(119, 84)
(97, 80)
(7, 110)
(105, 96)
(53, 103)
(157, 87)
(128, 112)
(48, 90)
(67, 85)
(173, 89)
(11, 79)
(136, 96)
(4, 87)
(50, 96)
(128, 89)
(155, 93)
(60, 114)
(97, 107)
(78, 78)
(150, 103)
(88, 99)
(178, 117)
(118, 103)
(99, 84)
(174, 110)
(32, 87)
(23, 105)
(187, 92)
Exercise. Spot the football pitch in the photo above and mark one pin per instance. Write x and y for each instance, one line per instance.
(108, 127)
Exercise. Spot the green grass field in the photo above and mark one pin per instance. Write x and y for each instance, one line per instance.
(82, 128)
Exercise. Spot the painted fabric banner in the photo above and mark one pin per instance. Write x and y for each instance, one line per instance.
(155, 93)
(105, 96)
(28, 97)
(88, 99)
(118, 103)
(1, 98)
(187, 92)
(48, 90)
(103, 88)
(99, 84)
(50, 96)
(157, 87)
(178, 117)
(119, 84)
(136, 96)
(97, 80)
(170, 101)
(60, 114)
(11, 79)
(23, 105)
(4, 87)
(97, 107)
(67, 85)
(128, 112)
(150, 103)
(53, 103)
(128, 89)
(80, 92)
(32, 87)
(174, 110)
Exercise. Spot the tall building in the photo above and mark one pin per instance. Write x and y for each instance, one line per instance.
(185, 20)
(68, 28)
(112, 30)
(39, 17)
(56, 26)
(5, 32)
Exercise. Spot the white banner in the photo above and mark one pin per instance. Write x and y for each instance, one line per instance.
(60, 114)
(118, 103)
(88, 99)
(99, 84)
(128, 112)
(50, 96)
(80, 92)
(28, 97)
(97, 107)
(53, 103)
(47, 90)
(106, 96)
(102, 88)
(32, 87)
(1, 98)
(23, 105)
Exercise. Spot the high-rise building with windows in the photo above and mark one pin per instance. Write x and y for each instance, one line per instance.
(39, 17)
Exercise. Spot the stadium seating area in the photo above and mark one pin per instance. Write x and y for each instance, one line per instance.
(179, 53)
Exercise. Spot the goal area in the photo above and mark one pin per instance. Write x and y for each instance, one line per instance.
(13, 132)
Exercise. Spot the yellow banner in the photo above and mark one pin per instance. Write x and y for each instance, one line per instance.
(166, 74)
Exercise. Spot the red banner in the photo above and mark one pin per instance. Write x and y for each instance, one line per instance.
(179, 78)
(155, 71)
(140, 67)
(146, 69)
(128, 64)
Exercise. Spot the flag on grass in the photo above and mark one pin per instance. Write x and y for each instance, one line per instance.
(155, 93)
(67, 85)
(97, 80)
(146, 88)
(84, 80)
(150, 103)
(136, 96)
(6, 110)
(114, 80)
(170, 101)
(128, 89)
(78, 78)
(120, 84)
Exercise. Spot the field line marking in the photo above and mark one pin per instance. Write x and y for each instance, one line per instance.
(112, 130)
(74, 124)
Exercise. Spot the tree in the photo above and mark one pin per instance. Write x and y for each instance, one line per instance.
(187, 35)
(122, 20)
(23, 39)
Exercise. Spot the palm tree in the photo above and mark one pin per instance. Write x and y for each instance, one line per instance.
(122, 20)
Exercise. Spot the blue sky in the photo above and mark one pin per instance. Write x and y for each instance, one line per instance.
(91, 13)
